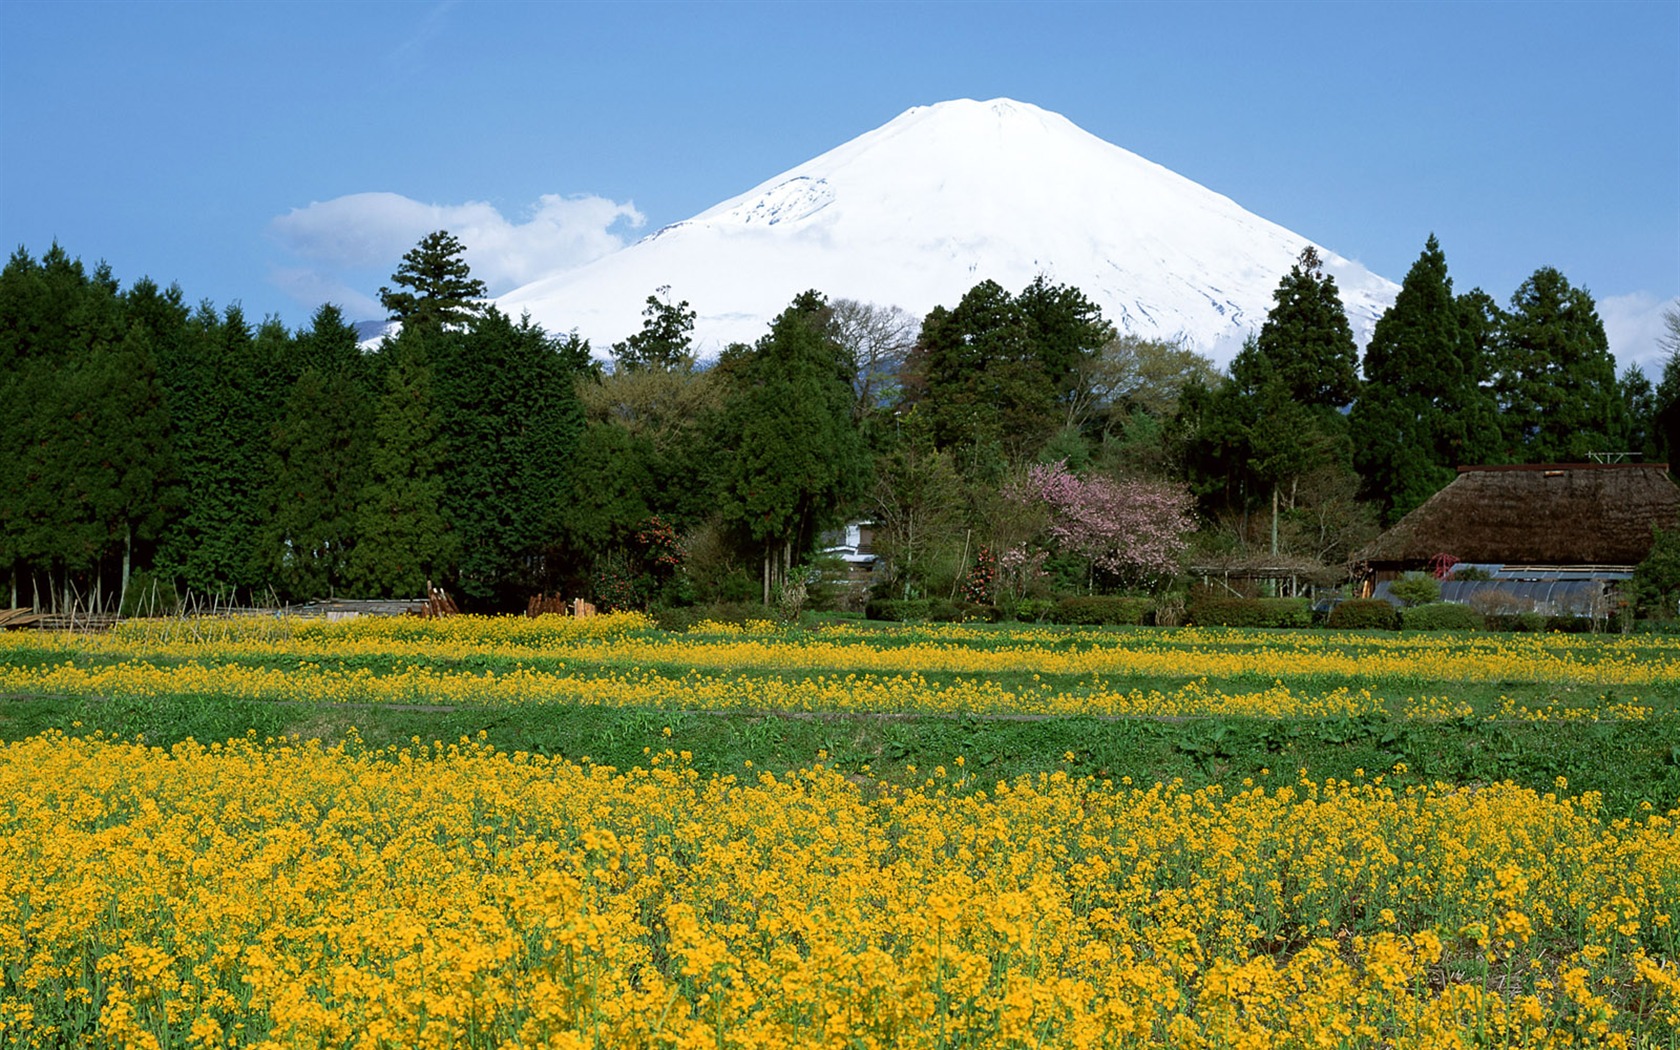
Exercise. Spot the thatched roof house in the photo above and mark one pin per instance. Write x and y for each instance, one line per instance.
(1572, 514)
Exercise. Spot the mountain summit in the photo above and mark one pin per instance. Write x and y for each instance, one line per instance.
(918, 211)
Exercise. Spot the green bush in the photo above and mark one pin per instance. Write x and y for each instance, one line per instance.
(1357, 614)
(1534, 623)
(1102, 610)
(1416, 588)
(1440, 616)
(898, 609)
(681, 618)
(1035, 610)
(1251, 612)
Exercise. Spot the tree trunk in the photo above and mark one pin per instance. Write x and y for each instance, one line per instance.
(128, 554)
(1274, 519)
(766, 575)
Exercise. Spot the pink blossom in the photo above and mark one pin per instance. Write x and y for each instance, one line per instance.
(1134, 530)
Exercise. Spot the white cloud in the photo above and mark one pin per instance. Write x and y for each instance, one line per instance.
(308, 286)
(1634, 325)
(371, 232)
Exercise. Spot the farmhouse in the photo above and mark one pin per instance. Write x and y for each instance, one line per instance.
(1550, 537)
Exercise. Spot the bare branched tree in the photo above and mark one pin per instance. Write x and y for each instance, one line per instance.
(877, 338)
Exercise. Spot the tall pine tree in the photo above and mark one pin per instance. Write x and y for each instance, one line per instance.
(1422, 411)
(1556, 382)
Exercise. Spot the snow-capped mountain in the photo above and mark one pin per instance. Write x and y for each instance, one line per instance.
(918, 211)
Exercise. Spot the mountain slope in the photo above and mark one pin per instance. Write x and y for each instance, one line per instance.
(918, 211)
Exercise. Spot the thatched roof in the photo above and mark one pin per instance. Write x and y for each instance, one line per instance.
(1543, 514)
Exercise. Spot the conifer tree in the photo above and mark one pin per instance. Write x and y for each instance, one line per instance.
(403, 539)
(795, 460)
(1306, 337)
(319, 463)
(665, 341)
(1422, 411)
(435, 288)
(508, 396)
(1556, 383)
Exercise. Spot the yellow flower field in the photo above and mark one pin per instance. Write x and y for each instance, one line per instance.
(285, 894)
(619, 661)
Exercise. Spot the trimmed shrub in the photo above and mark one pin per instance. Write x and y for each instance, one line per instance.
(1534, 623)
(898, 609)
(1440, 616)
(1416, 588)
(1251, 612)
(1101, 610)
(937, 610)
(1358, 614)
(1035, 610)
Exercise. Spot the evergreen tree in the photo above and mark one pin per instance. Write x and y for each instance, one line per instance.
(1422, 411)
(319, 463)
(435, 289)
(1275, 433)
(665, 340)
(795, 459)
(1556, 384)
(1306, 337)
(508, 394)
(403, 539)
(223, 396)
(1665, 408)
(994, 373)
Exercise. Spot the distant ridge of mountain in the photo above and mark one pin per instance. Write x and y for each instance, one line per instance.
(918, 211)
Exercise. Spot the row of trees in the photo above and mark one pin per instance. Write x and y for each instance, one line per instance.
(191, 448)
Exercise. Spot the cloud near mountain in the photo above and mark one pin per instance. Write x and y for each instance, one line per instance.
(336, 241)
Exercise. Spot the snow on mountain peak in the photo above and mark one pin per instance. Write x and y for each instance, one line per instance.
(919, 210)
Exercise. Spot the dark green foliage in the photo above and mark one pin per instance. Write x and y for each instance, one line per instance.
(403, 539)
(1274, 440)
(1307, 340)
(790, 457)
(1556, 381)
(664, 341)
(1440, 616)
(507, 399)
(1250, 612)
(1359, 614)
(435, 288)
(1423, 410)
(1656, 580)
(994, 373)
(1535, 623)
(1102, 610)
(1416, 588)
(225, 390)
(934, 610)
(319, 467)
(89, 470)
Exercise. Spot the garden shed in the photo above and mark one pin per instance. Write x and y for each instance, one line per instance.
(1556, 535)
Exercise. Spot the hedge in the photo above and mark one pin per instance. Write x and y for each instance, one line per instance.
(1360, 613)
(1440, 616)
(937, 610)
(1102, 610)
(1250, 612)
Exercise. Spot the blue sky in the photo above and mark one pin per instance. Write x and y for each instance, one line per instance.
(276, 154)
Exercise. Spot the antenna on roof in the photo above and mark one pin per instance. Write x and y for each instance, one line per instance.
(1614, 457)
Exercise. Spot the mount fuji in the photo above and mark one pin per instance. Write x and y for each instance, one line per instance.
(918, 211)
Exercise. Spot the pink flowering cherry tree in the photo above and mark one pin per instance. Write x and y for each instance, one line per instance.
(1131, 531)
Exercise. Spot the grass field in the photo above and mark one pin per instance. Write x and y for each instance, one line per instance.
(593, 833)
